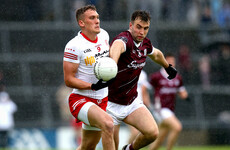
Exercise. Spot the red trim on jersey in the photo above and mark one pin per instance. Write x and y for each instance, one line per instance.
(70, 56)
(93, 41)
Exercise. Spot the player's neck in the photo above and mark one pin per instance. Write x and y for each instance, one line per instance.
(90, 37)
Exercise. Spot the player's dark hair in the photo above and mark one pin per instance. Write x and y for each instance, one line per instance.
(143, 15)
(82, 10)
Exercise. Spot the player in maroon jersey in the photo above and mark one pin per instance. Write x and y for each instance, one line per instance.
(164, 95)
(130, 49)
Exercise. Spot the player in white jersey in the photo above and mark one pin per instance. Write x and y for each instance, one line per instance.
(89, 98)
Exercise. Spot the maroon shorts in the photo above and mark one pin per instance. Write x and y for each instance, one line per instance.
(77, 101)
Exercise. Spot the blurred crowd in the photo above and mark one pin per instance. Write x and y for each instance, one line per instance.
(191, 11)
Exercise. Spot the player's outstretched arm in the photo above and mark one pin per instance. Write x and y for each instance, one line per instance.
(159, 58)
(116, 50)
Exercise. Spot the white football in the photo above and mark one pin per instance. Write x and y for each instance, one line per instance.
(105, 68)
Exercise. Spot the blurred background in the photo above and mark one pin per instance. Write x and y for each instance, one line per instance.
(33, 34)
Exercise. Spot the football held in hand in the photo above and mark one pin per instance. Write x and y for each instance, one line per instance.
(105, 68)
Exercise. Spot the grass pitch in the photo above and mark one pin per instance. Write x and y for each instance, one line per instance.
(197, 148)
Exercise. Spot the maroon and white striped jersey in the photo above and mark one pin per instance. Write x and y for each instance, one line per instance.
(165, 89)
(123, 89)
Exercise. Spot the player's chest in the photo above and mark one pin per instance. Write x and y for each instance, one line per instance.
(138, 53)
(135, 58)
(91, 53)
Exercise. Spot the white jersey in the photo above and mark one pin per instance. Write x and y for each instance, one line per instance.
(142, 81)
(85, 52)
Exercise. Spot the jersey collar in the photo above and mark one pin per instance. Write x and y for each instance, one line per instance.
(93, 41)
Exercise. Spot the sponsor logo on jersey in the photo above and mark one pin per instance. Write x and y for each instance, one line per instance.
(101, 54)
(87, 50)
(99, 101)
(90, 60)
(136, 65)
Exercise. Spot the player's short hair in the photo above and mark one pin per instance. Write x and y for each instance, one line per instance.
(82, 10)
(143, 15)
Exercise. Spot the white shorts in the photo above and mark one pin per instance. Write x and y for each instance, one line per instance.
(162, 114)
(120, 112)
(83, 116)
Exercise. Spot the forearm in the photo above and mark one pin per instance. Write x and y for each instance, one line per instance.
(73, 82)
(159, 58)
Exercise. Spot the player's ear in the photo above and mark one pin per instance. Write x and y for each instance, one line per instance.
(130, 25)
(81, 23)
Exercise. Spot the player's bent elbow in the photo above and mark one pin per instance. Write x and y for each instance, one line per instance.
(68, 83)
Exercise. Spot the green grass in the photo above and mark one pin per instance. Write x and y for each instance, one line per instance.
(197, 148)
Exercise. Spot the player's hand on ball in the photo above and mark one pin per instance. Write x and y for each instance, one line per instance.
(99, 85)
(171, 72)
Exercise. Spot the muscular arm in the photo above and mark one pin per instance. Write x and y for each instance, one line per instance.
(159, 58)
(116, 50)
(70, 70)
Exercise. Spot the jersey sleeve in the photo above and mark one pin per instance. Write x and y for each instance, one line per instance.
(124, 38)
(71, 53)
(151, 52)
(122, 42)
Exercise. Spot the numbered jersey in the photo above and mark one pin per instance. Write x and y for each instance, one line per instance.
(85, 52)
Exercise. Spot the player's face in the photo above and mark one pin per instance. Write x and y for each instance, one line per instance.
(139, 29)
(91, 22)
(171, 60)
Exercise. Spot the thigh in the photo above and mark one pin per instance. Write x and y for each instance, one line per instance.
(142, 120)
(97, 116)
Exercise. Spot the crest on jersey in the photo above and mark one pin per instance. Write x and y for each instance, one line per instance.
(139, 53)
(145, 52)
